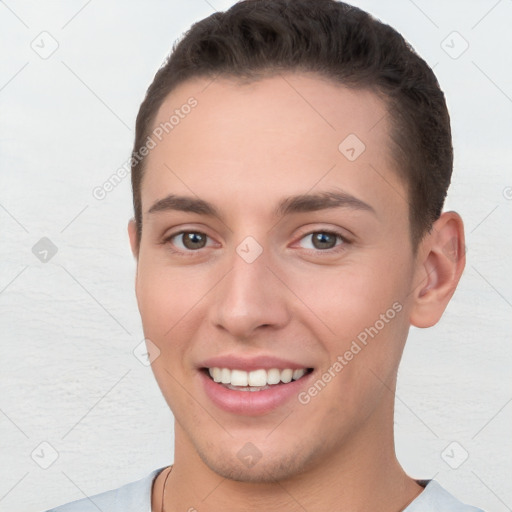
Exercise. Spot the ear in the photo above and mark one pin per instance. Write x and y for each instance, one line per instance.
(134, 238)
(440, 261)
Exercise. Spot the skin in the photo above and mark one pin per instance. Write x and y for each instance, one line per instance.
(244, 148)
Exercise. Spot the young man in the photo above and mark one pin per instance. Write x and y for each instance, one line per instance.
(289, 172)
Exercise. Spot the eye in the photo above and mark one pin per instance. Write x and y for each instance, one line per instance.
(322, 240)
(188, 240)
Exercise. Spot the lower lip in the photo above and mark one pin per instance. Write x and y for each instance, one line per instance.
(252, 403)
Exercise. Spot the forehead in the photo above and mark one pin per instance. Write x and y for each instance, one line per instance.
(285, 134)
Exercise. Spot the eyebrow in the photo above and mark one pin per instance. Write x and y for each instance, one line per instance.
(293, 204)
(321, 201)
(184, 204)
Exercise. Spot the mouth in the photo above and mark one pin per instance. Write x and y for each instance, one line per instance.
(253, 386)
(256, 380)
(254, 391)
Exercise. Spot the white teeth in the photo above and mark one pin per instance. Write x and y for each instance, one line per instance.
(256, 378)
(226, 376)
(215, 374)
(286, 375)
(239, 378)
(297, 374)
(273, 376)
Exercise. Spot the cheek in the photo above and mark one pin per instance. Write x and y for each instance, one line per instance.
(169, 304)
(359, 315)
(348, 298)
(166, 294)
(363, 355)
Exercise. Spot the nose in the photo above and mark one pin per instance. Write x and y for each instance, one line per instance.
(250, 298)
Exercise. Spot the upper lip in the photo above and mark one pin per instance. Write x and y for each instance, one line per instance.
(248, 364)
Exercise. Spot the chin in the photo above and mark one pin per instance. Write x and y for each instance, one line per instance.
(266, 470)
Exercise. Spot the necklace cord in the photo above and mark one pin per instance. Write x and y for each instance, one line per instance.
(163, 490)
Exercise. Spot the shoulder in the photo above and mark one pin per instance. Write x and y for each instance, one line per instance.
(435, 498)
(133, 496)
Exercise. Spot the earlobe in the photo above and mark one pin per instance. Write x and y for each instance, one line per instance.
(440, 263)
(133, 236)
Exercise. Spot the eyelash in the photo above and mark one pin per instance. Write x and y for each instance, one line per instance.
(334, 250)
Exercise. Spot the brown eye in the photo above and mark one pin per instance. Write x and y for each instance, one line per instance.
(190, 240)
(322, 240)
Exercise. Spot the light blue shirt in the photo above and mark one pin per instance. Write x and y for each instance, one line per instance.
(136, 497)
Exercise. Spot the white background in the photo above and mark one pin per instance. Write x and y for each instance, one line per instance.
(69, 326)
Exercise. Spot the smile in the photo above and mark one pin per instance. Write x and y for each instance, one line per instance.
(256, 380)
(256, 390)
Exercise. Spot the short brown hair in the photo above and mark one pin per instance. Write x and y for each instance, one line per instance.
(257, 38)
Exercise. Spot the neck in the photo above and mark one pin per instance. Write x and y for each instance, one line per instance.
(357, 476)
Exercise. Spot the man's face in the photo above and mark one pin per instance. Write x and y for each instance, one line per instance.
(272, 283)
